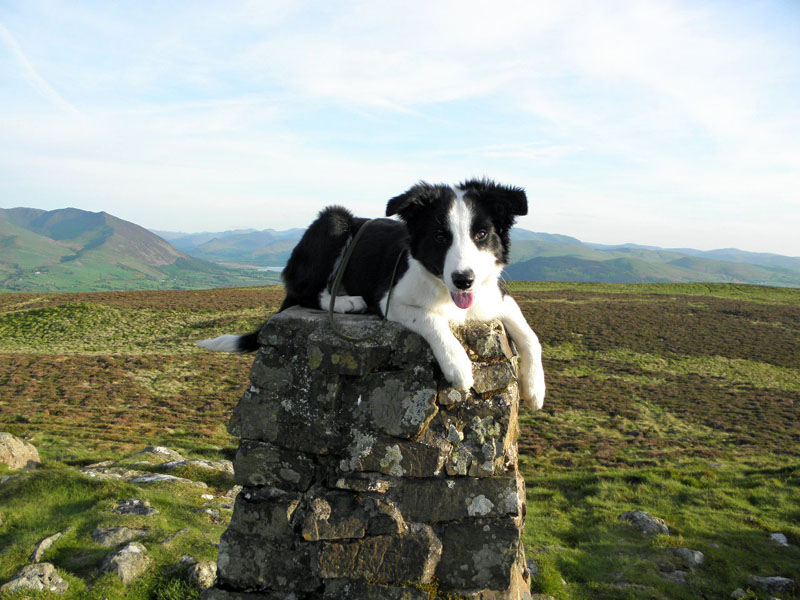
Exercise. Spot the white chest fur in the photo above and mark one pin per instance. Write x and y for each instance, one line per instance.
(419, 288)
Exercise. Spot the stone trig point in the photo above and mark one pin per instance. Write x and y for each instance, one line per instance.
(366, 476)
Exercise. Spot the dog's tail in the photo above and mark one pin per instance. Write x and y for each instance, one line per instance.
(232, 343)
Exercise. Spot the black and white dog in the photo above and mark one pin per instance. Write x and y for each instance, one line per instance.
(456, 242)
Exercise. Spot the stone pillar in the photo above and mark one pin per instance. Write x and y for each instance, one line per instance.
(366, 476)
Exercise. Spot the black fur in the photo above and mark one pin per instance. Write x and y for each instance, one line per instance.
(500, 205)
(424, 209)
(311, 265)
(423, 233)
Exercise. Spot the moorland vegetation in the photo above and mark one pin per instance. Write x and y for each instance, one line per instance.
(680, 400)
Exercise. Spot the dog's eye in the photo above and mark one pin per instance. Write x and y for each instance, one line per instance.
(440, 236)
(481, 235)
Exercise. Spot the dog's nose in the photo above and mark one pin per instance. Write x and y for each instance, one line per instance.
(463, 279)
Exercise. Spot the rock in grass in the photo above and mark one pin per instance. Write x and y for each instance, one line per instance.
(171, 537)
(645, 522)
(106, 473)
(774, 585)
(533, 569)
(203, 574)
(134, 506)
(45, 545)
(224, 466)
(162, 478)
(213, 513)
(690, 558)
(116, 536)
(158, 453)
(17, 453)
(676, 576)
(127, 563)
(779, 538)
(39, 577)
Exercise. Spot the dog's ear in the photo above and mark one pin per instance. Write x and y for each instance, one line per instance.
(511, 200)
(408, 203)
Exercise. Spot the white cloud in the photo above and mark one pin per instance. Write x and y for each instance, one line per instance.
(30, 74)
(623, 111)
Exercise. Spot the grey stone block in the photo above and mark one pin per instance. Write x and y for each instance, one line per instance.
(395, 457)
(336, 516)
(253, 563)
(269, 512)
(304, 420)
(437, 500)
(263, 464)
(384, 559)
(478, 554)
(366, 475)
(340, 589)
(394, 403)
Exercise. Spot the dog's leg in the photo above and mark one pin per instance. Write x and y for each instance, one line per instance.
(450, 354)
(342, 304)
(531, 387)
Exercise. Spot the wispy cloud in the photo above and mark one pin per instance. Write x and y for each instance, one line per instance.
(30, 74)
(653, 118)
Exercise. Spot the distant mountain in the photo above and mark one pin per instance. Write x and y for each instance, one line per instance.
(265, 248)
(631, 263)
(548, 257)
(188, 241)
(76, 250)
(739, 256)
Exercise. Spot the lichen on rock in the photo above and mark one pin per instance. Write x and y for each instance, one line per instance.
(365, 475)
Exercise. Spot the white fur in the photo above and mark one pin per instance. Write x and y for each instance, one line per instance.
(463, 253)
(422, 302)
(223, 343)
(531, 373)
(342, 304)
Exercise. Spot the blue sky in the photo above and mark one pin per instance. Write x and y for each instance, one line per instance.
(668, 123)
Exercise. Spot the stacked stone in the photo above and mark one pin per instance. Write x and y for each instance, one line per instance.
(366, 476)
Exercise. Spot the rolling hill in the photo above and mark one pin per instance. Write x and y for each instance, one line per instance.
(539, 256)
(535, 260)
(76, 250)
(265, 248)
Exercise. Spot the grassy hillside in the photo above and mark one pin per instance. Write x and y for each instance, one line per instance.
(533, 260)
(537, 256)
(681, 400)
(76, 250)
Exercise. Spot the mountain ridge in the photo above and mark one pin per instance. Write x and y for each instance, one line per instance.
(560, 258)
(75, 250)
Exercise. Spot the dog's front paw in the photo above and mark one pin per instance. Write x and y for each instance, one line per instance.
(457, 369)
(349, 304)
(532, 388)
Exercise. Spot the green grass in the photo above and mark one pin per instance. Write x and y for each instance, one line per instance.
(96, 273)
(725, 511)
(681, 400)
(733, 370)
(743, 292)
(54, 499)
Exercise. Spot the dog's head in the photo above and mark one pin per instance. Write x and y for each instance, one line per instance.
(460, 233)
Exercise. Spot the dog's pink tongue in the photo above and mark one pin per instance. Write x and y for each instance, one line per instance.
(462, 299)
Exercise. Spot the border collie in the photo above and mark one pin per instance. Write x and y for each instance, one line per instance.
(455, 241)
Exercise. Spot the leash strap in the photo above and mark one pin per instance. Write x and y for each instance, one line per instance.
(337, 280)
